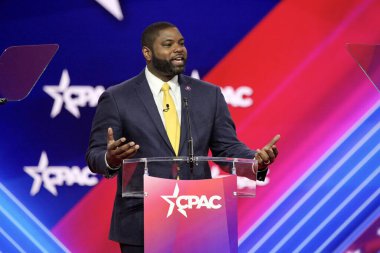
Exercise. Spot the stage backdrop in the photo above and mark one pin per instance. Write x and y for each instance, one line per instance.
(283, 67)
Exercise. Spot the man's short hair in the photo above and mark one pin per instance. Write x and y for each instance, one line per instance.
(152, 31)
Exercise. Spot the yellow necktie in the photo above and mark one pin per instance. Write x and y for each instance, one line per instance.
(171, 118)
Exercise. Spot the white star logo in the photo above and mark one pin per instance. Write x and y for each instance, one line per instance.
(113, 7)
(52, 176)
(37, 174)
(72, 97)
(172, 204)
(56, 93)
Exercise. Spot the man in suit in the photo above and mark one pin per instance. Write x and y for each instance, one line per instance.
(131, 121)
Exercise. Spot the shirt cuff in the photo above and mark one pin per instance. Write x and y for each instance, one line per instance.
(108, 166)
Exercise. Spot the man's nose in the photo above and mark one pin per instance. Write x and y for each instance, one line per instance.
(179, 48)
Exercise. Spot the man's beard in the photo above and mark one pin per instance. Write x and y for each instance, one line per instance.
(166, 67)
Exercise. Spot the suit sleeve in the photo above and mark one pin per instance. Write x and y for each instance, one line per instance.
(224, 141)
(107, 115)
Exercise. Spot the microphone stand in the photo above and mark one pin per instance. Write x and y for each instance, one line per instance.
(191, 159)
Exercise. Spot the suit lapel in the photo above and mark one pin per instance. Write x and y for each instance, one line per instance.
(146, 97)
(186, 87)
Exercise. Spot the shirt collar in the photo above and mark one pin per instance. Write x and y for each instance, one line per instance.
(156, 83)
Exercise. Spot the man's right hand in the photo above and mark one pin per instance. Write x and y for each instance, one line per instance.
(119, 149)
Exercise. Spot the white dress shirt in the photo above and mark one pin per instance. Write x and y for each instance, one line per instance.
(155, 85)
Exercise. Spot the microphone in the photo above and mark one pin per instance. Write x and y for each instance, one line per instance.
(190, 140)
(166, 109)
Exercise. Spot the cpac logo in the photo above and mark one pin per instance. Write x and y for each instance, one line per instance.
(239, 97)
(113, 7)
(52, 176)
(189, 202)
(72, 96)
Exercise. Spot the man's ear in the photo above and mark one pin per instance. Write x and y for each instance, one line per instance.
(147, 53)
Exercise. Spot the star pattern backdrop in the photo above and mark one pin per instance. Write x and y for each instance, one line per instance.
(283, 67)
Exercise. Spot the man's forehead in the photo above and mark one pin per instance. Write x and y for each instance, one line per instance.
(170, 33)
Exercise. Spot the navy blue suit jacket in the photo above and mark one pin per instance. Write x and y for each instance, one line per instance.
(129, 108)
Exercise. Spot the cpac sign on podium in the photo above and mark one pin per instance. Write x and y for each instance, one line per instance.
(196, 213)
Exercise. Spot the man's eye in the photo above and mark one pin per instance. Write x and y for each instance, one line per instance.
(167, 45)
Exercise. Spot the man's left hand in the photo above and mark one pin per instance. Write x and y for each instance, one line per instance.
(267, 154)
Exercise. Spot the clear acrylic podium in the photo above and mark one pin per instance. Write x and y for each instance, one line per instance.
(189, 208)
(368, 58)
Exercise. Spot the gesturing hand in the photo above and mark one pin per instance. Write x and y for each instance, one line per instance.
(268, 153)
(119, 149)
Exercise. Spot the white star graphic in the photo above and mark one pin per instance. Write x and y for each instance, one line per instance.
(37, 174)
(113, 7)
(56, 92)
(172, 204)
(72, 97)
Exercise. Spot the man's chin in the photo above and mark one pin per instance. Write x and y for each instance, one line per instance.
(178, 69)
